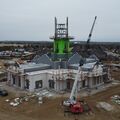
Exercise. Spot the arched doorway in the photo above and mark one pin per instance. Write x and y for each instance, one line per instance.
(27, 83)
(69, 83)
(51, 84)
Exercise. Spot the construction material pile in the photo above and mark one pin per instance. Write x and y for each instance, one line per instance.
(104, 105)
(116, 99)
(38, 96)
(44, 93)
(17, 101)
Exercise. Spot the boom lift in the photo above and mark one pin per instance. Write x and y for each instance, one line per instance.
(72, 103)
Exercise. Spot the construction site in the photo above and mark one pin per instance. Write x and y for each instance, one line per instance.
(63, 81)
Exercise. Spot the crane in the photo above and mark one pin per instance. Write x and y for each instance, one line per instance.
(74, 105)
(91, 31)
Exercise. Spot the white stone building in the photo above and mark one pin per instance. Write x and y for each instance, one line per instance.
(32, 76)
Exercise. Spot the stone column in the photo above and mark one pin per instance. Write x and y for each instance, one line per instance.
(22, 82)
(16, 80)
(11, 79)
(90, 82)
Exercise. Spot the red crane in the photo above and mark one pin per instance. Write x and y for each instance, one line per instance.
(72, 104)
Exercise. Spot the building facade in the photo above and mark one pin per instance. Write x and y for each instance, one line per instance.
(34, 77)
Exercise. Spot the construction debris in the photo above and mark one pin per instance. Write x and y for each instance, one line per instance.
(40, 100)
(116, 99)
(17, 101)
(44, 93)
(37, 96)
(104, 105)
(7, 100)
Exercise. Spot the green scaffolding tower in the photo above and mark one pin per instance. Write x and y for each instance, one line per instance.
(61, 40)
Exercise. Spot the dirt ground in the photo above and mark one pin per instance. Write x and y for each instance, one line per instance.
(51, 109)
(116, 74)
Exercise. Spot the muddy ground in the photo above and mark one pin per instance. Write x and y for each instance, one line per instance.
(52, 110)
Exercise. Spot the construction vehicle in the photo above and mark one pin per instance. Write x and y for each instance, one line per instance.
(72, 104)
(3, 92)
(90, 34)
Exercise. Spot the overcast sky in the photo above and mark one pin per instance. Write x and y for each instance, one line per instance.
(34, 19)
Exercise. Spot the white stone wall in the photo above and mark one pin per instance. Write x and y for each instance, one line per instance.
(59, 85)
(9, 78)
(33, 78)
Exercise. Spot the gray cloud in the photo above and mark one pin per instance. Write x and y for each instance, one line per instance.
(34, 19)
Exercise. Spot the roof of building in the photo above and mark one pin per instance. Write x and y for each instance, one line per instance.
(93, 56)
(75, 59)
(42, 59)
(90, 60)
(86, 66)
(34, 67)
(52, 71)
(89, 65)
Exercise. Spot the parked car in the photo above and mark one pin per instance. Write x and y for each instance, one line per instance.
(3, 92)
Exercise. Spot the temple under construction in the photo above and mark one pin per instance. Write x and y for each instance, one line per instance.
(57, 70)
